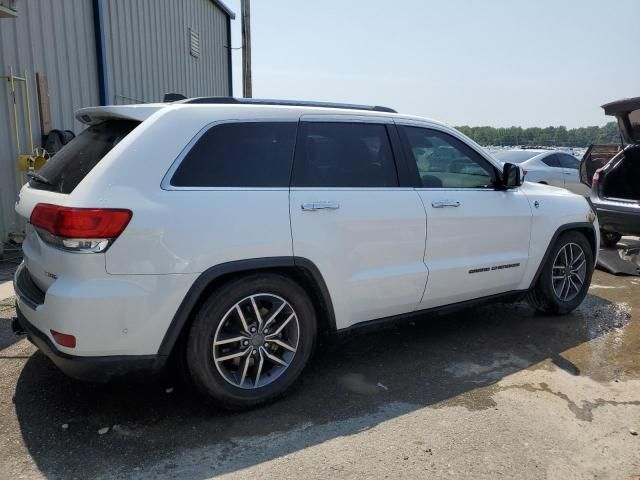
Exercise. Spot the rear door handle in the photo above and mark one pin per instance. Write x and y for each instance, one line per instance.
(445, 203)
(320, 205)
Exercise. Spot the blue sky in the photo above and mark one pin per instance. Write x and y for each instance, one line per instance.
(465, 62)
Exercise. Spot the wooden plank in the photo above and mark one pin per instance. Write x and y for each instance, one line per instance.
(43, 103)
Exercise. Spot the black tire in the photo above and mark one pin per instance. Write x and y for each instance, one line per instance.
(199, 354)
(609, 239)
(542, 296)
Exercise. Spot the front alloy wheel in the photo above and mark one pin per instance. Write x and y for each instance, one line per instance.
(565, 276)
(569, 271)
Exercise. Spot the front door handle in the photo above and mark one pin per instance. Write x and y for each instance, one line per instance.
(445, 203)
(321, 205)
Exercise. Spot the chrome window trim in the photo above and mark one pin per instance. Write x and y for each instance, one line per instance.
(165, 184)
(463, 189)
(351, 189)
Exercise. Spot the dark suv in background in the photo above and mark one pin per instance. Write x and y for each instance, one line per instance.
(615, 192)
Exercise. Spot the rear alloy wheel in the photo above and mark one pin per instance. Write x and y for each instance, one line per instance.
(609, 239)
(251, 340)
(565, 277)
(250, 351)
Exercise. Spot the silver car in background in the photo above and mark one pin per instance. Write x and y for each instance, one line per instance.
(551, 167)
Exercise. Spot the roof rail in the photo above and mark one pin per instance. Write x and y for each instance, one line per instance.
(289, 103)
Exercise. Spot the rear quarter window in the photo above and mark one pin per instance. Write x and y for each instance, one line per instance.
(551, 161)
(251, 154)
(76, 159)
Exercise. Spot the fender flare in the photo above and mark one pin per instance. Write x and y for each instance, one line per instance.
(205, 279)
(561, 229)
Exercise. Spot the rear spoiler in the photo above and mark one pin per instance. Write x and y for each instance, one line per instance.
(95, 115)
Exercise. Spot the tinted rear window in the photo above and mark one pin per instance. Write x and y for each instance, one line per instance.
(353, 155)
(76, 159)
(239, 155)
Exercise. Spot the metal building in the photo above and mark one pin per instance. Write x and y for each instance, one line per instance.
(78, 53)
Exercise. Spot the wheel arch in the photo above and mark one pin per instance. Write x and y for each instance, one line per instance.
(302, 270)
(583, 227)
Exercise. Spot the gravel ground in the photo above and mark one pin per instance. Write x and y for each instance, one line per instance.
(488, 393)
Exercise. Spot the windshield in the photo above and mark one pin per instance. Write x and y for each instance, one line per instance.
(515, 156)
(77, 158)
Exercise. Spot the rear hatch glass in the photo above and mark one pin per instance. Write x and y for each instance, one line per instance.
(76, 159)
(596, 156)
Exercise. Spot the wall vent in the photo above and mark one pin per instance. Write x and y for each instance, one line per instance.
(194, 43)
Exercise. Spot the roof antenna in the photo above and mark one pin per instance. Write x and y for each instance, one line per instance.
(173, 97)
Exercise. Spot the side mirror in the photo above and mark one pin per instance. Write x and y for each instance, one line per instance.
(511, 175)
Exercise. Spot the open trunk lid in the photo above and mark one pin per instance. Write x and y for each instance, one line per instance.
(596, 156)
(627, 113)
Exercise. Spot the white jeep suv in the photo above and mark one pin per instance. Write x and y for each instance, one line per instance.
(230, 233)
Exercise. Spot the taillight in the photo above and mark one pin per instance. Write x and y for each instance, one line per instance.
(85, 230)
(596, 177)
(524, 173)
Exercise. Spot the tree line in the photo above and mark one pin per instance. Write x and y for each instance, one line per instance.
(547, 137)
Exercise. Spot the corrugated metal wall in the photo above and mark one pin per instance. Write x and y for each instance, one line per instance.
(148, 44)
(54, 37)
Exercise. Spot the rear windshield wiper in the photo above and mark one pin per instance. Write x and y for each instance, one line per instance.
(39, 178)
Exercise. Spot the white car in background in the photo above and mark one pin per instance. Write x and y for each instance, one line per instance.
(550, 167)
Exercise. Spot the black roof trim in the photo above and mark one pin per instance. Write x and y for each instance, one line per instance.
(625, 105)
(227, 11)
(288, 103)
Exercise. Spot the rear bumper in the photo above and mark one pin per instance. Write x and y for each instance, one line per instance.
(93, 369)
(109, 315)
(622, 220)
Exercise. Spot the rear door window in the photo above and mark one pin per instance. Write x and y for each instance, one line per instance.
(347, 155)
(249, 154)
(76, 159)
(569, 161)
